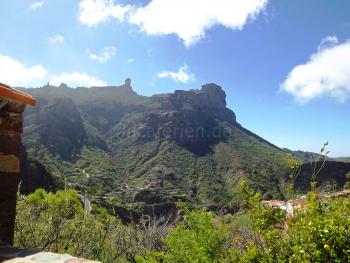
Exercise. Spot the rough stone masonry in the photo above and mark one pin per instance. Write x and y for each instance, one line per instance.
(12, 105)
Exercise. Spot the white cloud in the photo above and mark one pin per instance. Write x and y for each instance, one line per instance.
(189, 19)
(104, 55)
(327, 73)
(93, 12)
(77, 79)
(183, 75)
(131, 60)
(56, 39)
(13, 72)
(37, 5)
(329, 41)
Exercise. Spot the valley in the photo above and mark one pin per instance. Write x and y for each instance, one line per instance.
(124, 150)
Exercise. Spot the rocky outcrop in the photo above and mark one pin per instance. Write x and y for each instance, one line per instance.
(34, 175)
(11, 127)
(161, 212)
(194, 119)
(210, 99)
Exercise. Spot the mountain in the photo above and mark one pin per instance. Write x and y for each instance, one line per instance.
(343, 159)
(314, 157)
(305, 156)
(123, 149)
(332, 177)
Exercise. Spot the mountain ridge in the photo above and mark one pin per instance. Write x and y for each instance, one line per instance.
(122, 149)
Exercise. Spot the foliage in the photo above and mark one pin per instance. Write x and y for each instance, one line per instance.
(347, 184)
(320, 232)
(58, 223)
(195, 239)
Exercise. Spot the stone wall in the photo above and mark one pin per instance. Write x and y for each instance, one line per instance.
(11, 127)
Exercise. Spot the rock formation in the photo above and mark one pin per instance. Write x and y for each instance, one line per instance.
(191, 118)
(12, 105)
(34, 175)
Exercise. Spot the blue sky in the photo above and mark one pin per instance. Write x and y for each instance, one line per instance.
(285, 65)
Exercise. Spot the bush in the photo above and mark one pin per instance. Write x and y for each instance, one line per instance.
(57, 223)
(319, 233)
(195, 239)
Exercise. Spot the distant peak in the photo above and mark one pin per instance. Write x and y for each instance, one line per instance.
(63, 85)
(128, 82)
(127, 85)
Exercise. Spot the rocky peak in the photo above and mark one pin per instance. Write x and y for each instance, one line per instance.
(194, 118)
(214, 93)
(209, 96)
(127, 86)
(63, 86)
(209, 100)
(128, 82)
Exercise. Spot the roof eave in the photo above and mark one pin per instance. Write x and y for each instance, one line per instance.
(8, 92)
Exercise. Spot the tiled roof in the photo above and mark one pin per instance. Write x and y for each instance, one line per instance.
(8, 92)
(273, 202)
(297, 202)
(343, 193)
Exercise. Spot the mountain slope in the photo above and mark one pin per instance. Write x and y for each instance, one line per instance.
(314, 157)
(121, 148)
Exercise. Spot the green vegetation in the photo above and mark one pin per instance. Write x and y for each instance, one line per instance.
(118, 149)
(195, 239)
(319, 233)
(57, 222)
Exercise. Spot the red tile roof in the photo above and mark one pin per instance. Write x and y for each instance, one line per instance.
(8, 92)
(273, 202)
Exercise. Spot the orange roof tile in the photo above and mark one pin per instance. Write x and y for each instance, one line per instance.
(273, 202)
(8, 92)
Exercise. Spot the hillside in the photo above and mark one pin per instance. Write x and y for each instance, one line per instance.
(120, 148)
(331, 178)
(314, 157)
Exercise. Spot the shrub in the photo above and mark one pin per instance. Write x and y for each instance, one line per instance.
(57, 223)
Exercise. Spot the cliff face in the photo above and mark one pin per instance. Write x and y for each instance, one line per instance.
(60, 127)
(209, 100)
(192, 118)
(209, 96)
(34, 175)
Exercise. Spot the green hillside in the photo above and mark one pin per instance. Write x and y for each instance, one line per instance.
(123, 149)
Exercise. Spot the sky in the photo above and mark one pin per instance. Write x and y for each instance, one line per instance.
(284, 65)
